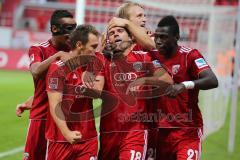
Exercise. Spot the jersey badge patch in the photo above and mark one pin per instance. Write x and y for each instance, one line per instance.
(53, 83)
(156, 63)
(175, 69)
(200, 62)
(137, 66)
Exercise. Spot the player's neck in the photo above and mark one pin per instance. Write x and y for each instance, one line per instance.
(54, 42)
(171, 53)
(73, 53)
(127, 51)
(59, 46)
(174, 50)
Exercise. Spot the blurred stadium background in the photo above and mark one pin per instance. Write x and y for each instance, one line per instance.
(209, 25)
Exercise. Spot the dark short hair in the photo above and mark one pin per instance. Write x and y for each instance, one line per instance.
(58, 14)
(170, 21)
(81, 34)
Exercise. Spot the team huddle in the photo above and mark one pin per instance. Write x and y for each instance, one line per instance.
(148, 85)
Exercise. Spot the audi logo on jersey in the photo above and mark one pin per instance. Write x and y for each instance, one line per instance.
(131, 76)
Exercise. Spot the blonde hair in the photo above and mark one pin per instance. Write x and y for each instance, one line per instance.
(122, 11)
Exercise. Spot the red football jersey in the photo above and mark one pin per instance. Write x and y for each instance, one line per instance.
(39, 53)
(77, 108)
(130, 113)
(182, 111)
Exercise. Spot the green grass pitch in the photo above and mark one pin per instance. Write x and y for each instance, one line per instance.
(15, 87)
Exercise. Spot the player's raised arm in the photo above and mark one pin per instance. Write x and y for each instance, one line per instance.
(139, 33)
(38, 67)
(135, 21)
(60, 28)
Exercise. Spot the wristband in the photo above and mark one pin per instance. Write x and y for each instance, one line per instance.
(188, 84)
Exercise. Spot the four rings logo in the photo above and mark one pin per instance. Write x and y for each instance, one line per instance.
(125, 76)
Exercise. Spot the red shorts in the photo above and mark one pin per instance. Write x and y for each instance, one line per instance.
(179, 144)
(123, 145)
(36, 144)
(86, 150)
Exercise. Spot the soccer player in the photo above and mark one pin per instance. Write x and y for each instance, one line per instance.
(123, 132)
(70, 136)
(131, 15)
(135, 13)
(41, 56)
(180, 124)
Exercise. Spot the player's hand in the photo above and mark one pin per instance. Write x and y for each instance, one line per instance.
(73, 63)
(88, 79)
(117, 22)
(173, 90)
(72, 136)
(135, 85)
(21, 108)
(63, 56)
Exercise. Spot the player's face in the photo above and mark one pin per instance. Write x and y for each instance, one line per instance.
(118, 36)
(68, 25)
(137, 16)
(91, 45)
(165, 40)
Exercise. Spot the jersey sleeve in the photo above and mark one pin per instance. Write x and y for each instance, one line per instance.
(35, 54)
(101, 67)
(154, 64)
(196, 63)
(55, 78)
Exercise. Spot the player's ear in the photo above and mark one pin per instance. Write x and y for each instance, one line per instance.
(54, 29)
(177, 37)
(79, 45)
(130, 37)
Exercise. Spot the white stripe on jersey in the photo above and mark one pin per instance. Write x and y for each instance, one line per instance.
(60, 63)
(145, 144)
(139, 52)
(46, 157)
(200, 135)
(185, 49)
(43, 44)
(29, 124)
